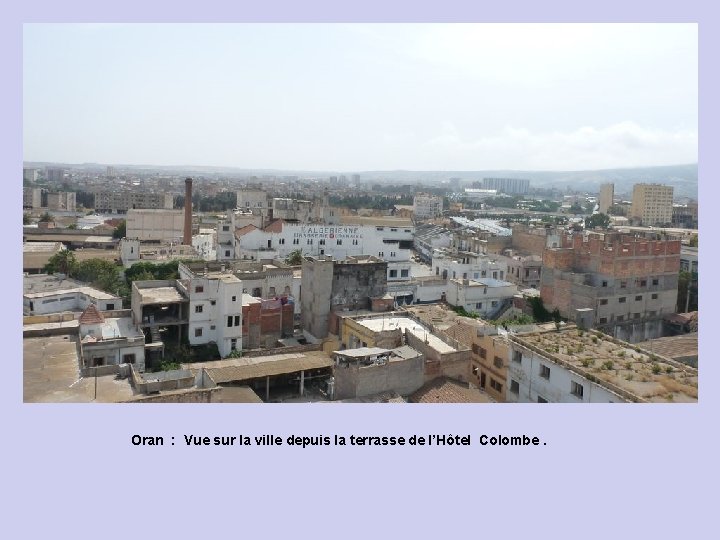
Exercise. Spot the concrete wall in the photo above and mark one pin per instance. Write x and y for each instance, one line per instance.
(402, 376)
(455, 365)
(193, 395)
(317, 278)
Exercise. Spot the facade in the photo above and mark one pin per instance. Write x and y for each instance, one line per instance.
(605, 200)
(158, 225)
(119, 202)
(652, 204)
(253, 200)
(133, 251)
(338, 286)
(55, 175)
(685, 216)
(689, 259)
(513, 186)
(427, 206)
(428, 238)
(573, 366)
(29, 174)
(620, 283)
(368, 371)
(61, 200)
(32, 197)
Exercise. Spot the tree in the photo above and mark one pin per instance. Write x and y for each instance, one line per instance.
(589, 207)
(576, 208)
(63, 262)
(294, 258)
(26, 219)
(46, 218)
(617, 210)
(694, 241)
(597, 220)
(119, 231)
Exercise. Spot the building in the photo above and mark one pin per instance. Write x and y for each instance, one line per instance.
(511, 186)
(157, 225)
(43, 294)
(330, 285)
(427, 206)
(32, 197)
(29, 174)
(366, 371)
(478, 194)
(444, 356)
(652, 204)
(429, 237)
(55, 175)
(605, 200)
(574, 366)
(266, 321)
(689, 259)
(253, 200)
(487, 297)
(106, 341)
(61, 200)
(37, 254)
(623, 284)
(685, 216)
(119, 202)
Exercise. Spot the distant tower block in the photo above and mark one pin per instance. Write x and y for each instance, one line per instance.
(187, 231)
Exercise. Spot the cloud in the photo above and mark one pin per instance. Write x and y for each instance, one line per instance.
(625, 144)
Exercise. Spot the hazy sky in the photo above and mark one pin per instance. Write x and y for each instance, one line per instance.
(362, 96)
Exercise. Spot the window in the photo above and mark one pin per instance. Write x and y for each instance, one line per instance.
(272, 291)
(212, 302)
(497, 362)
(622, 299)
(623, 284)
(198, 332)
(494, 275)
(199, 288)
(237, 320)
(296, 241)
(483, 274)
(281, 241)
(621, 318)
(493, 303)
(381, 253)
(638, 298)
(603, 301)
(652, 313)
(514, 387)
(233, 344)
(355, 242)
(476, 275)
(392, 253)
(603, 320)
(643, 283)
(654, 296)
(393, 230)
(322, 242)
(309, 242)
(128, 358)
(604, 283)
(227, 252)
(576, 389)
(199, 308)
(212, 327)
(393, 273)
(655, 281)
(229, 321)
(544, 371)
(380, 228)
(404, 273)
(517, 357)
(226, 228)
(495, 385)
(478, 305)
(636, 315)
(339, 242)
(110, 307)
(542, 399)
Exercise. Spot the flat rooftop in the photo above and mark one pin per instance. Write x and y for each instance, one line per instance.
(89, 291)
(160, 295)
(642, 375)
(379, 324)
(51, 374)
(484, 282)
(115, 328)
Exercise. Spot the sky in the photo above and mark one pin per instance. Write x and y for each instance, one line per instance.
(361, 97)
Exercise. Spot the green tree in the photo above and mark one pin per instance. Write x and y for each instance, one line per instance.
(63, 262)
(26, 219)
(119, 231)
(72, 226)
(694, 241)
(597, 220)
(294, 258)
(46, 218)
(104, 275)
(576, 208)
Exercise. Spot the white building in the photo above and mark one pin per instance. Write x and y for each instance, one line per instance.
(427, 206)
(106, 341)
(515, 186)
(469, 265)
(133, 251)
(43, 294)
(486, 297)
(478, 194)
(205, 244)
(253, 200)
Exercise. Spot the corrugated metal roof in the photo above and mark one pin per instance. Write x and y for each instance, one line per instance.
(242, 369)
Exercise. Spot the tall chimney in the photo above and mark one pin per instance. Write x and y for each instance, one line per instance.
(187, 231)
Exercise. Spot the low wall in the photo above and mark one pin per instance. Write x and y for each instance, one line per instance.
(101, 371)
(193, 395)
(284, 350)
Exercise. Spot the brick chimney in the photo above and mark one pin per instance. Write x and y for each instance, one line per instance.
(187, 230)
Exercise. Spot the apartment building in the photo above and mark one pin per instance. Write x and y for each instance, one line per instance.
(513, 186)
(605, 200)
(120, 202)
(620, 283)
(487, 297)
(61, 200)
(652, 204)
(427, 206)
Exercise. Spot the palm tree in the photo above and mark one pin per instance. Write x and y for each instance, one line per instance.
(63, 262)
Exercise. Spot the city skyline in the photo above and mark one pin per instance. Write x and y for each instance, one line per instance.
(362, 96)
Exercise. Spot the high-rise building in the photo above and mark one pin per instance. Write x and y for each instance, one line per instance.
(61, 200)
(55, 175)
(607, 192)
(427, 206)
(652, 204)
(516, 186)
(29, 175)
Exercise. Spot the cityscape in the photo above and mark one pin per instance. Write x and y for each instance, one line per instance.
(456, 279)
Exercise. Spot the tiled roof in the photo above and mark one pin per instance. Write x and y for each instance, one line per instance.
(244, 230)
(91, 315)
(444, 390)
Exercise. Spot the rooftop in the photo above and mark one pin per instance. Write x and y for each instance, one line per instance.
(379, 324)
(628, 370)
(160, 295)
(483, 282)
(444, 390)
